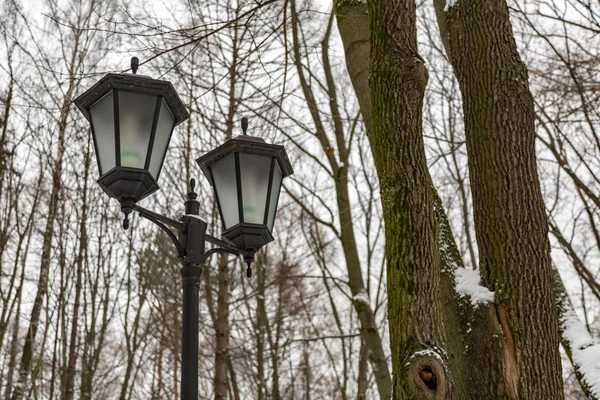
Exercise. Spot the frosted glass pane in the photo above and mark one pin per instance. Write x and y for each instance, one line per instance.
(161, 139)
(136, 113)
(223, 172)
(254, 171)
(275, 188)
(103, 121)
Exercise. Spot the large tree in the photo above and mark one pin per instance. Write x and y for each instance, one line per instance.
(437, 339)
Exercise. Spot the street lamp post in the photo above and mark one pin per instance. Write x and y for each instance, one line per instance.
(132, 119)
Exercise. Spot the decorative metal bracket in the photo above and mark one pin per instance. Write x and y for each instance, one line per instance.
(191, 234)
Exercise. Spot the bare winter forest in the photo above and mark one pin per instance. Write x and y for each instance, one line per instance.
(439, 239)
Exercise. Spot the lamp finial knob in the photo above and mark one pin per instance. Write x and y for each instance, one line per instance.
(135, 63)
(192, 195)
(192, 206)
(126, 208)
(248, 259)
(244, 125)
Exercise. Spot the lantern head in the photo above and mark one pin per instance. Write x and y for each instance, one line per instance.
(246, 174)
(132, 119)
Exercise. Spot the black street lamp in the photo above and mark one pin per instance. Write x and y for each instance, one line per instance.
(132, 118)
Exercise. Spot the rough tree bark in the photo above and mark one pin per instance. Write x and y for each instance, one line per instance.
(509, 213)
(397, 82)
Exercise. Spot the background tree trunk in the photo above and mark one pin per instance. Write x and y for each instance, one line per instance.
(340, 166)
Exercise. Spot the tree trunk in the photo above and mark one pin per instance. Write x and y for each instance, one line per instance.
(14, 344)
(368, 327)
(398, 80)
(69, 389)
(42, 286)
(76, 58)
(362, 373)
(222, 330)
(458, 314)
(261, 322)
(472, 376)
(509, 214)
(576, 340)
(222, 316)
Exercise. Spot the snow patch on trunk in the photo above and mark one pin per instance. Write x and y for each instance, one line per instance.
(449, 3)
(585, 352)
(362, 297)
(468, 284)
(431, 352)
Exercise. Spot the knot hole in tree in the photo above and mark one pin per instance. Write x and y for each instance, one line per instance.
(429, 374)
(428, 377)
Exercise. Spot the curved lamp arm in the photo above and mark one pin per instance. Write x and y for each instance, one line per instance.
(167, 231)
(184, 247)
(158, 217)
(226, 245)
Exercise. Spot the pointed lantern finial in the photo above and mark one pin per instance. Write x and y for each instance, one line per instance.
(244, 125)
(135, 63)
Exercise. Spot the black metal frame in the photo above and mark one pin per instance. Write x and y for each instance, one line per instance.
(246, 144)
(238, 184)
(133, 83)
(126, 184)
(190, 245)
(153, 133)
(117, 132)
(269, 188)
(123, 183)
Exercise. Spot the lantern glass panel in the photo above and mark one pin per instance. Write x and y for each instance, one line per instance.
(136, 114)
(103, 123)
(223, 173)
(275, 188)
(254, 171)
(164, 127)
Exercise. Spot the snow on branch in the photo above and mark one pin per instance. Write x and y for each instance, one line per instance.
(585, 352)
(468, 284)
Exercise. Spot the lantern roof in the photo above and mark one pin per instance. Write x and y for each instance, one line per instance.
(133, 83)
(247, 144)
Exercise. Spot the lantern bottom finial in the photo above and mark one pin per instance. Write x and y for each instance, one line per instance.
(126, 208)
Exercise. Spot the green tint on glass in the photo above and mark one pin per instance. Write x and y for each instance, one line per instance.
(103, 122)
(254, 171)
(136, 113)
(223, 173)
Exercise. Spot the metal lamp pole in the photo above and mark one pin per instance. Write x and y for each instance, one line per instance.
(191, 252)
